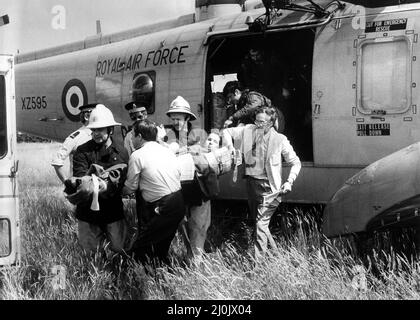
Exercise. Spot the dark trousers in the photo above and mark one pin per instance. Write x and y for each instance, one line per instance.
(155, 237)
(143, 213)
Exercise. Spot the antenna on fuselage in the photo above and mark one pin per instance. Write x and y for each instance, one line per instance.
(98, 27)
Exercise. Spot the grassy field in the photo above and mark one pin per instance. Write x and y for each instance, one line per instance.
(306, 266)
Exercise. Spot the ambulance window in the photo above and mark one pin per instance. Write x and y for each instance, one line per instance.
(143, 89)
(384, 76)
(3, 119)
(5, 249)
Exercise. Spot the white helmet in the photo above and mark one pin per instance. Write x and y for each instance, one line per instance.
(180, 105)
(101, 117)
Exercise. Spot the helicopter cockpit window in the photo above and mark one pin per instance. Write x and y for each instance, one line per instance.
(384, 76)
(143, 89)
(3, 120)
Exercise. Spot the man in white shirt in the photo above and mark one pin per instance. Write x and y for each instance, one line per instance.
(263, 148)
(75, 139)
(154, 170)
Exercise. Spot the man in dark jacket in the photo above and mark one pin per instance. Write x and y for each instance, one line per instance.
(107, 223)
(246, 103)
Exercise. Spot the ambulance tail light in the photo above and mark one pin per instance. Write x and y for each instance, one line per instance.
(5, 238)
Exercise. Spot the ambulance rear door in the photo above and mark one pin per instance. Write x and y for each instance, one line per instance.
(9, 217)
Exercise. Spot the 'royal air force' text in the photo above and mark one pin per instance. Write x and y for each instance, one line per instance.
(136, 61)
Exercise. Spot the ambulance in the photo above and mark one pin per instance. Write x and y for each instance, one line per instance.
(9, 200)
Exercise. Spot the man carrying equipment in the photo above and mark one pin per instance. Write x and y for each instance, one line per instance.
(108, 222)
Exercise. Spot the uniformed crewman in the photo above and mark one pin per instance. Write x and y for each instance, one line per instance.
(71, 143)
(136, 111)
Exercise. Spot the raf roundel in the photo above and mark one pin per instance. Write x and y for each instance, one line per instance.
(74, 95)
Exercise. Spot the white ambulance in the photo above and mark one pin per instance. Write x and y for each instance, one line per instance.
(9, 201)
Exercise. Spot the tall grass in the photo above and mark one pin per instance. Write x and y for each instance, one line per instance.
(306, 265)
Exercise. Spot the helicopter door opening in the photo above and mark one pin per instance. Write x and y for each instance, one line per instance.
(278, 65)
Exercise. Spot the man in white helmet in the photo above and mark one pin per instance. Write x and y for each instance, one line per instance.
(108, 223)
(71, 143)
(198, 208)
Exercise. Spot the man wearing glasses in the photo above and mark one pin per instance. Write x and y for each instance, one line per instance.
(263, 148)
(136, 111)
(71, 143)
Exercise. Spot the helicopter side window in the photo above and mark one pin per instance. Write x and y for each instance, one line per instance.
(384, 76)
(3, 118)
(143, 89)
